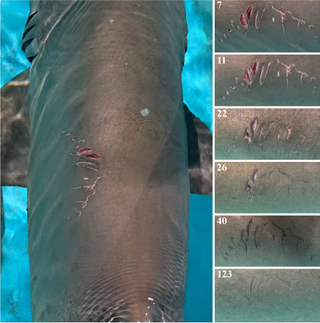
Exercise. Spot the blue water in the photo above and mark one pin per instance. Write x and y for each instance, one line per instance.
(15, 276)
(197, 87)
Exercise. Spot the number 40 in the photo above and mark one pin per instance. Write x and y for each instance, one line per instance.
(222, 220)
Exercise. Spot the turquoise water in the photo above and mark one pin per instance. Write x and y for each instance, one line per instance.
(15, 276)
(197, 85)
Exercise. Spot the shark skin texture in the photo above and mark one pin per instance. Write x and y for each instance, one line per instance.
(112, 159)
(267, 26)
(278, 133)
(267, 295)
(267, 241)
(267, 187)
(267, 80)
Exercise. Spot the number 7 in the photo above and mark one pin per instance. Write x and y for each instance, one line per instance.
(219, 3)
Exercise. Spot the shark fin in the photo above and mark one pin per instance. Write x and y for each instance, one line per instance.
(199, 154)
(15, 131)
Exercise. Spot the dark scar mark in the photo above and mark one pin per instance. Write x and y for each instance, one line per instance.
(270, 174)
(248, 228)
(244, 240)
(258, 292)
(255, 237)
(299, 239)
(257, 243)
(248, 297)
(309, 244)
(283, 173)
(285, 281)
(283, 234)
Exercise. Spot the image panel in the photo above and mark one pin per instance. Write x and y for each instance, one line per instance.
(267, 26)
(267, 187)
(106, 161)
(267, 241)
(267, 133)
(267, 295)
(267, 80)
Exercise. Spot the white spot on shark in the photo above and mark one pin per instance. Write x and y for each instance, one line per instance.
(144, 112)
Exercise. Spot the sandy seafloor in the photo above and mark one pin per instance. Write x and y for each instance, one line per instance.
(197, 87)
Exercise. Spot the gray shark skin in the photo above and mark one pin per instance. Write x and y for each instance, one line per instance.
(267, 295)
(114, 154)
(279, 134)
(267, 26)
(267, 187)
(267, 80)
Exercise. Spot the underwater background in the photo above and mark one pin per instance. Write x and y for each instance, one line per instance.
(197, 88)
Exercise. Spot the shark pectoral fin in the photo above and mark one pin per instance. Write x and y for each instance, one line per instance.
(15, 138)
(199, 154)
(15, 131)
(31, 36)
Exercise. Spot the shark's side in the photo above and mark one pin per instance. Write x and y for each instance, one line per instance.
(112, 158)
